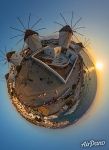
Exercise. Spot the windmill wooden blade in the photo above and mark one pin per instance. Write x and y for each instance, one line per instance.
(58, 23)
(19, 41)
(86, 43)
(79, 28)
(5, 50)
(16, 36)
(76, 38)
(78, 33)
(36, 23)
(20, 21)
(40, 29)
(63, 18)
(16, 29)
(77, 22)
(72, 19)
(29, 20)
(2, 60)
(2, 52)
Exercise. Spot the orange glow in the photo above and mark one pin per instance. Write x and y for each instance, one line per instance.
(99, 66)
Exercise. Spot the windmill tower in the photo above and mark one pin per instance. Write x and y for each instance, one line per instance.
(14, 58)
(67, 31)
(65, 36)
(32, 40)
(31, 37)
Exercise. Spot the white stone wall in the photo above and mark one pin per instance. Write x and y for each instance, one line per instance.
(65, 39)
(34, 42)
(71, 55)
(16, 59)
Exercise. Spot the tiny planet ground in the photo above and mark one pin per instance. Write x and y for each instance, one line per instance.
(50, 82)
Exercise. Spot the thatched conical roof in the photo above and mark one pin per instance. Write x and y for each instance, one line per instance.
(80, 44)
(9, 54)
(29, 32)
(66, 28)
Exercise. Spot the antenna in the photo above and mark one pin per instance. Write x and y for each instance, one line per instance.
(63, 18)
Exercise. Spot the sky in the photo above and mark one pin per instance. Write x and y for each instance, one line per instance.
(15, 132)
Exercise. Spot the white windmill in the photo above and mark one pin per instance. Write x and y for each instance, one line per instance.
(68, 31)
(31, 37)
(14, 59)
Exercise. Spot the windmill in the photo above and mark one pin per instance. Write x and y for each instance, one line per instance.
(10, 56)
(65, 37)
(5, 59)
(68, 31)
(33, 42)
(31, 37)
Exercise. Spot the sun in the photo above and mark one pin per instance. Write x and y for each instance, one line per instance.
(99, 66)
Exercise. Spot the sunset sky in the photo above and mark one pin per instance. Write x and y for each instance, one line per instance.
(18, 134)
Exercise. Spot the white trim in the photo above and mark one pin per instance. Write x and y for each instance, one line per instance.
(72, 69)
(53, 71)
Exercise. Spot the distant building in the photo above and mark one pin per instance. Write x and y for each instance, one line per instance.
(49, 42)
(77, 47)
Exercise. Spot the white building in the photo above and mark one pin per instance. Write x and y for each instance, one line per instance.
(14, 57)
(65, 36)
(71, 55)
(52, 51)
(32, 40)
(77, 47)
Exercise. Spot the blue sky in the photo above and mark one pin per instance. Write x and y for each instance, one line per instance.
(15, 132)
